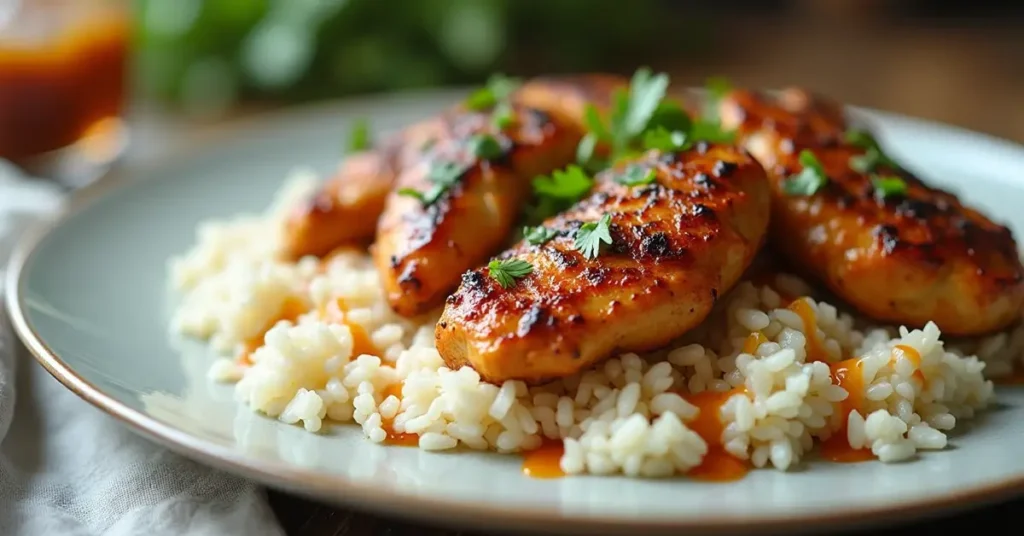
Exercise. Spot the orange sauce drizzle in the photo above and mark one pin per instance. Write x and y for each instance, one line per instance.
(291, 310)
(815, 349)
(717, 465)
(337, 312)
(753, 342)
(400, 439)
(545, 460)
(914, 357)
(846, 374)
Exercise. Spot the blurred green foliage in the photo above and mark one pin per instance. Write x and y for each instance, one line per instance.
(204, 56)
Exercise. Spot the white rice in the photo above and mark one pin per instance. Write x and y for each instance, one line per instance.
(629, 414)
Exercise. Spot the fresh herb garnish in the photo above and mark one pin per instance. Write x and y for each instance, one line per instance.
(539, 235)
(569, 184)
(359, 136)
(636, 175)
(664, 140)
(711, 132)
(717, 88)
(486, 147)
(507, 271)
(590, 236)
(810, 179)
(442, 175)
(502, 115)
(641, 118)
(497, 89)
(888, 185)
(873, 156)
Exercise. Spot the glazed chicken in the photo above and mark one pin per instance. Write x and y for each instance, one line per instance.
(678, 242)
(423, 247)
(345, 209)
(878, 237)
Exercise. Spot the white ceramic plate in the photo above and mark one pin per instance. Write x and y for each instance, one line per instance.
(88, 297)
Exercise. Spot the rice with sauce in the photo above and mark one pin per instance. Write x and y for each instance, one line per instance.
(769, 376)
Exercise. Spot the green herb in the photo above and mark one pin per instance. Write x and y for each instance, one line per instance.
(502, 115)
(486, 147)
(669, 116)
(590, 235)
(646, 91)
(359, 136)
(810, 179)
(636, 175)
(442, 175)
(507, 271)
(717, 88)
(712, 132)
(873, 156)
(664, 140)
(569, 184)
(586, 149)
(538, 235)
(497, 89)
(888, 185)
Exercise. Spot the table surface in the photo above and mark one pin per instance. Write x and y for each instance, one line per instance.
(970, 78)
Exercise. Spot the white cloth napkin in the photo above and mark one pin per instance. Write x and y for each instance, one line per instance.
(68, 469)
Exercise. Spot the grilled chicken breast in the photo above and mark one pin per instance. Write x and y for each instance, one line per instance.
(901, 254)
(345, 209)
(678, 243)
(422, 248)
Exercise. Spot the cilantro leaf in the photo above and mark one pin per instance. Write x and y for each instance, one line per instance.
(359, 136)
(586, 153)
(717, 88)
(507, 271)
(809, 180)
(486, 147)
(888, 186)
(669, 116)
(595, 124)
(502, 116)
(568, 185)
(663, 140)
(646, 91)
(636, 175)
(704, 130)
(590, 236)
(538, 235)
(873, 157)
(443, 175)
(498, 88)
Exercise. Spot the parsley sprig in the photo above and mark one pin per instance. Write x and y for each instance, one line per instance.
(495, 96)
(359, 136)
(590, 236)
(507, 271)
(557, 192)
(888, 186)
(873, 157)
(809, 180)
(636, 175)
(442, 176)
(642, 118)
(539, 235)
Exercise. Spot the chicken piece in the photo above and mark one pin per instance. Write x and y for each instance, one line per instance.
(893, 247)
(678, 243)
(345, 208)
(423, 247)
(568, 96)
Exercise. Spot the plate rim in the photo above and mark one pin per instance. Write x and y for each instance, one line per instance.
(344, 492)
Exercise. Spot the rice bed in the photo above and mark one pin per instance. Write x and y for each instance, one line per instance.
(766, 377)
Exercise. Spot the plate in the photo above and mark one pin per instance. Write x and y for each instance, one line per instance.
(88, 295)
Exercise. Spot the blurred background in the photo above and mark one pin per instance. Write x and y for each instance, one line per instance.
(70, 70)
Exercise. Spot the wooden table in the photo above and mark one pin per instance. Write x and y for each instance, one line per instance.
(972, 78)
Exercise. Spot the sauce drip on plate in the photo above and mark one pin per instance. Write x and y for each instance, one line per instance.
(291, 310)
(544, 461)
(846, 374)
(400, 439)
